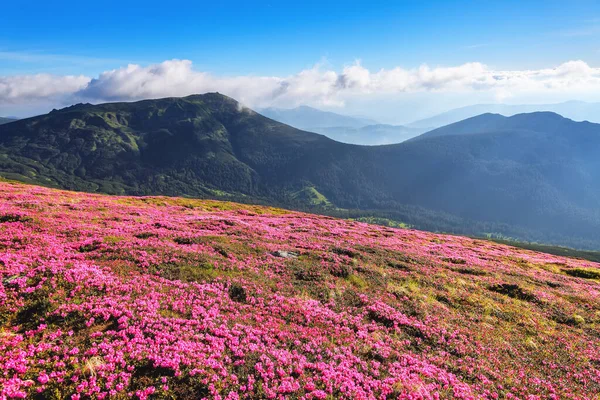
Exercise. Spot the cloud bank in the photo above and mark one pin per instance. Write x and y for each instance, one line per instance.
(316, 86)
(19, 89)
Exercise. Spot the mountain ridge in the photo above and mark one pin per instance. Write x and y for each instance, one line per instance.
(539, 121)
(575, 110)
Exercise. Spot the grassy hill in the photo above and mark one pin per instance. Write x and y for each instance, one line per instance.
(162, 297)
(534, 176)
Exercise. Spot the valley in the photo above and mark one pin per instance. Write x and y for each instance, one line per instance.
(532, 177)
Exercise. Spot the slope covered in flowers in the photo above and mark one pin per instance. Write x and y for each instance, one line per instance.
(121, 297)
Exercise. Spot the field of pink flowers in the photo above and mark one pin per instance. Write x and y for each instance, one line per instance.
(163, 298)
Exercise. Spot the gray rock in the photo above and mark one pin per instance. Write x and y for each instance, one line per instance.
(285, 254)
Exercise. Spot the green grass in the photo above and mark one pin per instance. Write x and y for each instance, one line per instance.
(357, 281)
(382, 221)
(311, 196)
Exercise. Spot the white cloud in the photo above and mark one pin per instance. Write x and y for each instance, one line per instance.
(316, 86)
(23, 88)
(178, 78)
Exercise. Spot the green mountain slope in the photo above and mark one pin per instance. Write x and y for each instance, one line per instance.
(538, 184)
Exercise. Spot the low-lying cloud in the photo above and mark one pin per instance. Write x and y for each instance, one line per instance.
(316, 86)
(19, 89)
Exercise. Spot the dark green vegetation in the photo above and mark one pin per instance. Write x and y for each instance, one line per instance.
(556, 250)
(6, 120)
(532, 176)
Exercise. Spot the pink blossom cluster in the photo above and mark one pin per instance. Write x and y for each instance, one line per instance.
(154, 297)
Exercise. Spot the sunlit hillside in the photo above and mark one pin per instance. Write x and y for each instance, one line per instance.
(163, 298)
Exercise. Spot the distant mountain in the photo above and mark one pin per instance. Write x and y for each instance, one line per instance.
(575, 110)
(4, 120)
(541, 122)
(371, 134)
(533, 176)
(342, 128)
(311, 119)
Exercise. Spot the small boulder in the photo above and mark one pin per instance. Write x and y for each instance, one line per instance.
(285, 254)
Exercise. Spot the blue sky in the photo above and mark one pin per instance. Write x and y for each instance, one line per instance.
(239, 38)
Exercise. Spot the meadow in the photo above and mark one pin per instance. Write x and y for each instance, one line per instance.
(163, 298)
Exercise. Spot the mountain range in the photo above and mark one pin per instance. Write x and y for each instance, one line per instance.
(532, 176)
(363, 131)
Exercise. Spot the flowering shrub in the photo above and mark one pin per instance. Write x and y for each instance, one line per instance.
(158, 297)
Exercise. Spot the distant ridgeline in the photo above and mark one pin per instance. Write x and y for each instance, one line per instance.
(342, 128)
(531, 176)
(4, 120)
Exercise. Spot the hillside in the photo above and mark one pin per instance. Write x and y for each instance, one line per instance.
(180, 298)
(195, 146)
(533, 176)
